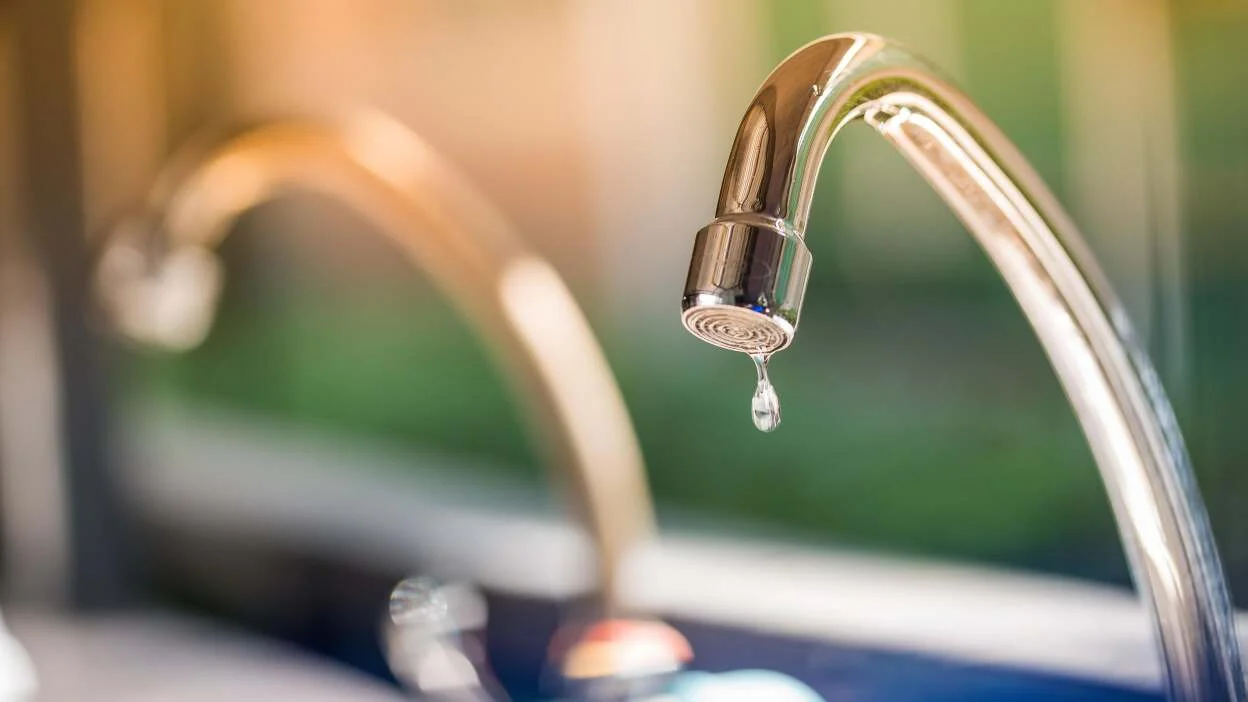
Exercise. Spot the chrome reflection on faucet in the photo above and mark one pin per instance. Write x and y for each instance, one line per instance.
(750, 266)
(433, 642)
(158, 279)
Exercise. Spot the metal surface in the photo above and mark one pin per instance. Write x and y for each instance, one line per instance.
(1107, 376)
(744, 265)
(158, 279)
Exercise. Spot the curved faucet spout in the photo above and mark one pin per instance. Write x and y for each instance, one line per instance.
(749, 269)
(158, 281)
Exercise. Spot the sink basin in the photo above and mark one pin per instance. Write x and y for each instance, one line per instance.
(854, 626)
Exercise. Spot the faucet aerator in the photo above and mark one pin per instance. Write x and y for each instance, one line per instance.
(745, 286)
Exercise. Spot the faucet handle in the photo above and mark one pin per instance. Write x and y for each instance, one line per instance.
(433, 640)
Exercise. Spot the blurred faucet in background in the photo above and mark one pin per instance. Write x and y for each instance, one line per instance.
(749, 270)
(158, 279)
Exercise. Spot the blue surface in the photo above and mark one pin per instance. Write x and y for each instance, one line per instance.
(843, 673)
(838, 673)
(696, 686)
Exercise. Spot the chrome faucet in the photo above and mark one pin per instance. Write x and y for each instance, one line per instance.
(749, 270)
(158, 279)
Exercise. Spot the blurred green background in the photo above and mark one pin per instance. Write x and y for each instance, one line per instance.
(920, 416)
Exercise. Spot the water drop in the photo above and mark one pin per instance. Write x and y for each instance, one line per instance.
(766, 404)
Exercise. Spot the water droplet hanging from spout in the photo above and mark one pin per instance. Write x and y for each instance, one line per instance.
(766, 404)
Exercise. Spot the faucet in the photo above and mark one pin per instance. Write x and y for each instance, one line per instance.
(158, 279)
(749, 268)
